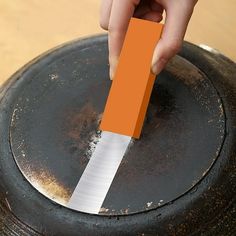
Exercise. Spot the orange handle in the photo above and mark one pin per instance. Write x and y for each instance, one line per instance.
(133, 81)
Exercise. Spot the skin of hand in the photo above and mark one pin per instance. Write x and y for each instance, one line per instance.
(115, 16)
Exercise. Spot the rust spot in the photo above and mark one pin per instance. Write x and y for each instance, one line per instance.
(53, 76)
(80, 131)
(79, 122)
(103, 210)
(149, 204)
(49, 186)
(125, 211)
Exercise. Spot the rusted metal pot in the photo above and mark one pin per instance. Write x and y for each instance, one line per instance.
(178, 179)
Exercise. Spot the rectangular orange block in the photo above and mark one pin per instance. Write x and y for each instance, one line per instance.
(131, 88)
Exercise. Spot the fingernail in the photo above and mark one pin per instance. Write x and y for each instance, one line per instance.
(158, 66)
(113, 65)
(111, 73)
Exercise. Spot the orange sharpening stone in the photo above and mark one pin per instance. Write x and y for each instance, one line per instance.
(133, 81)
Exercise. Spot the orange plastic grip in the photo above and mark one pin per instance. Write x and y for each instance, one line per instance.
(133, 81)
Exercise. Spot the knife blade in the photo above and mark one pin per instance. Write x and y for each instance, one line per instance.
(96, 180)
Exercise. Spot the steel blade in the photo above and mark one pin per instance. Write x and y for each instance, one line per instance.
(99, 173)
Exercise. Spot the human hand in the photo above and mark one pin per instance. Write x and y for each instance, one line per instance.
(115, 16)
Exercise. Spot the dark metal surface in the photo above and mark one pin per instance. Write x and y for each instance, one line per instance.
(54, 129)
(49, 114)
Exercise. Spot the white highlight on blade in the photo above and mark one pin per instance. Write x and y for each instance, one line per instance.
(99, 173)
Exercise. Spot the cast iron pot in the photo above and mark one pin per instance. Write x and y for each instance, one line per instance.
(177, 179)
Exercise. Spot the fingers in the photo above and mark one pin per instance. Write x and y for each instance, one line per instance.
(115, 16)
(121, 12)
(147, 6)
(105, 11)
(178, 14)
(149, 10)
(153, 16)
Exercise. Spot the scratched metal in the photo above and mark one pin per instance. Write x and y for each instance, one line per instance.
(54, 131)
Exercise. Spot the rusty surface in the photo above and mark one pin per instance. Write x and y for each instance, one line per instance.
(54, 130)
(44, 113)
(81, 127)
(48, 185)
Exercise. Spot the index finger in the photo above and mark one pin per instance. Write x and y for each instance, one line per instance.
(121, 12)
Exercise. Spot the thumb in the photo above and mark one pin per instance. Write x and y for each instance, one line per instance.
(177, 18)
